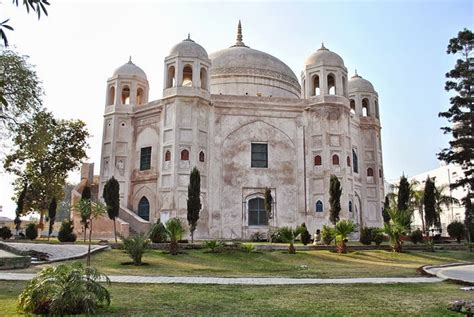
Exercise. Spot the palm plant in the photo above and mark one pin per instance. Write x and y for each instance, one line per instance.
(65, 289)
(398, 225)
(214, 245)
(135, 246)
(342, 230)
(175, 230)
(444, 200)
(288, 235)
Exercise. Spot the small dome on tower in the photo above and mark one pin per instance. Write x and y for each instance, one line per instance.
(129, 69)
(188, 48)
(357, 83)
(323, 56)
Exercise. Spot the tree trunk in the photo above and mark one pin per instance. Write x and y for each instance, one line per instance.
(192, 236)
(422, 215)
(89, 247)
(173, 247)
(85, 231)
(291, 249)
(342, 247)
(397, 247)
(115, 231)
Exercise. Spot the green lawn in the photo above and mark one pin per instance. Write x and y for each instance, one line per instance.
(208, 300)
(318, 264)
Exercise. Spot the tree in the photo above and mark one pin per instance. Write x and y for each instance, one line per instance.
(403, 197)
(416, 200)
(175, 231)
(335, 192)
(52, 215)
(194, 200)
(342, 230)
(429, 204)
(288, 235)
(45, 150)
(84, 207)
(19, 207)
(386, 207)
(268, 202)
(20, 91)
(112, 200)
(36, 6)
(461, 112)
(456, 230)
(398, 225)
(469, 216)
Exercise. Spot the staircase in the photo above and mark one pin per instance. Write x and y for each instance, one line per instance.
(136, 223)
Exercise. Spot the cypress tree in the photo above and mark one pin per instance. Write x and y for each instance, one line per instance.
(429, 203)
(86, 195)
(268, 202)
(335, 192)
(386, 208)
(194, 200)
(461, 112)
(403, 199)
(111, 196)
(52, 215)
(469, 216)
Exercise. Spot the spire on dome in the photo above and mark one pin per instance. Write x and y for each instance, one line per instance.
(356, 75)
(323, 48)
(130, 59)
(239, 36)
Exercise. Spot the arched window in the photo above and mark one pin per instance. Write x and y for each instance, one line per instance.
(187, 76)
(335, 159)
(353, 106)
(348, 161)
(365, 107)
(257, 212)
(370, 172)
(201, 156)
(350, 206)
(167, 156)
(355, 162)
(319, 206)
(125, 95)
(144, 208)
(171, 81)
(331, 84)
(380, 173)
(316, 90)
(376, 109)
(184, 155)
(317, 160)
(111, 97)
(139, 96)
(203, 76)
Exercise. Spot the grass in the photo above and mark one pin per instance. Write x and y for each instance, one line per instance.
(317, 264)
(225, 300)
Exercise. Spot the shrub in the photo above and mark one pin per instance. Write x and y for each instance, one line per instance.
(456, 230)
(273, 235)
(158, 233)
(175, 230)
(464, 307)
(366, 236)
(66, 232)
(249, 248)
(214, 245)
(416, 236)
(5, 233)
(288, 235)
(257, 237)
(378, 236)
(327, 235)
(31, 231)
(135, 246)
(64, 290)
(305, 235)
(342, 230)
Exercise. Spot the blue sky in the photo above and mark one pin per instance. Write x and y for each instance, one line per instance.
(400, 46)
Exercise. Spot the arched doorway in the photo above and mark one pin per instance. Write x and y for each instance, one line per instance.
(144, 209)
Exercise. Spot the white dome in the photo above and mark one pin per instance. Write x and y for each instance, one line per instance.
(357, 83)
(129, 69)
(188, 48)
(325, 57)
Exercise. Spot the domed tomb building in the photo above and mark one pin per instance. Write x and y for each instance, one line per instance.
(243, 118)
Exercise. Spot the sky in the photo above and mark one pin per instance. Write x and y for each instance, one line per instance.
(400, 46)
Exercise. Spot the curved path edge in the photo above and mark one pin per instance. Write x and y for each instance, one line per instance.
(457, 272)
(241, 280)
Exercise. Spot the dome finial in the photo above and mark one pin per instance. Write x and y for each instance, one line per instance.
(239, 36)
(356, 75)
(130, 59)
(189, 36)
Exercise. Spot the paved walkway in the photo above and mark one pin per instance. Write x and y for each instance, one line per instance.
(456, 271)
(56, 252)
(241, 280)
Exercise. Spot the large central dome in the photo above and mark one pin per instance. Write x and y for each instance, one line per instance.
(240, 70)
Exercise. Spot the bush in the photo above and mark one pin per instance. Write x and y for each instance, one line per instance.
(214, 245)
(249, 248)
(158, 233)
(175, 230)
(258, 237)
(327, 235)
(366, 236)
(66, 232)
(305, 235)
(416, 236)
(5, 233)
(273, 235)
(135, 246)
(31, 231)
(65, 290)
(378, 236)
(456, 230)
